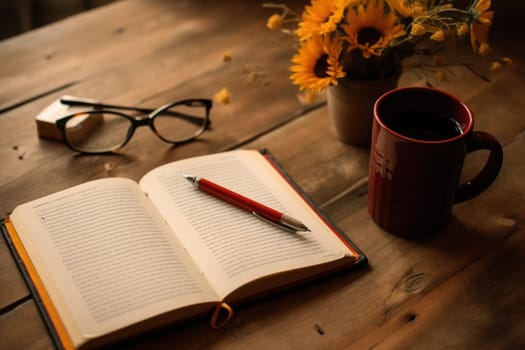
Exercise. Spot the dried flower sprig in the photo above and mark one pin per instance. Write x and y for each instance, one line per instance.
(223, 96)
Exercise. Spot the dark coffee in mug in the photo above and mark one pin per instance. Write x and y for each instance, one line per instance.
(426, 126)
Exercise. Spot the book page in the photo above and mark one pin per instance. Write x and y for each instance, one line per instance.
(231, 245)
(106, 256)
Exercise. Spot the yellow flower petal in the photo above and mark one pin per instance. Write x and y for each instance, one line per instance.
(438, 36)
(274, 22)
(223, 96)
(308, 96)
(495, 66)
(484, 49)
(418, 29)
(462, 29)
(226, 56)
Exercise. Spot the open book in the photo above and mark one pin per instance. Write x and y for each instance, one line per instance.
(111, 258)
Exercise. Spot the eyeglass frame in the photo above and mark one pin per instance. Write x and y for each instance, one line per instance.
(134, 120)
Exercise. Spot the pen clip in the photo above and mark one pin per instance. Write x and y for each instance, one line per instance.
(280, 225)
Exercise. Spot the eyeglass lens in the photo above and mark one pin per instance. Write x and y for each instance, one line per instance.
(180, 122)
(97, 131)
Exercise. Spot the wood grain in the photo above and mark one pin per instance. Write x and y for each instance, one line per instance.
(460, 288)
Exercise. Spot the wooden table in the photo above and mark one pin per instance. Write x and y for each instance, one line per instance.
(461, 288)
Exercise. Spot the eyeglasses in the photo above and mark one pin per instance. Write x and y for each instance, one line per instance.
(105, 130)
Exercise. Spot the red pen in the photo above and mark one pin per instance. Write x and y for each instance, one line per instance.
(261, 211)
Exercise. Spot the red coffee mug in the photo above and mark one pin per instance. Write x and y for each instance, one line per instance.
(420, 138)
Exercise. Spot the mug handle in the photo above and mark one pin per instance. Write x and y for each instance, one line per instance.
(481, 140)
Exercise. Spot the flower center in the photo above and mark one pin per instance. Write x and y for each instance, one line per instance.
(321, 66)
(368, 35)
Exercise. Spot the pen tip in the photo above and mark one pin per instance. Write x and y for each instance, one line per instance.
(192, 179)
(302, 227)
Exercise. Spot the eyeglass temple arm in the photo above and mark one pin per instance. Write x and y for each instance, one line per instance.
(79, 102)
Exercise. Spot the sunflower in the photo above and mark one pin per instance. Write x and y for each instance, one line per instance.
(316, 65)
(371, 30)
(321, 17)
(479, 28)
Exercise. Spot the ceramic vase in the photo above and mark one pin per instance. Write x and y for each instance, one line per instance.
(351, 104)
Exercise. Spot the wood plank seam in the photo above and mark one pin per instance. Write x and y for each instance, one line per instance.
(39, 96)
(16, 304)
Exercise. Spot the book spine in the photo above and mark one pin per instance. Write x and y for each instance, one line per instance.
(57, 343)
